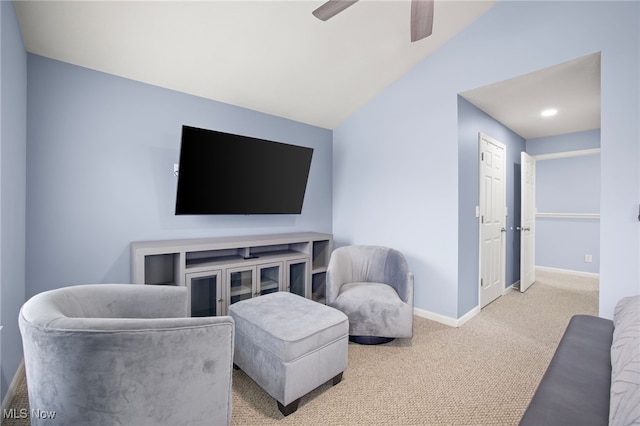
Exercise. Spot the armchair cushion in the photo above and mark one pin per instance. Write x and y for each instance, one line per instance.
(373, 307)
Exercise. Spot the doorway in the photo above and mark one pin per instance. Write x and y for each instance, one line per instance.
(477, 113)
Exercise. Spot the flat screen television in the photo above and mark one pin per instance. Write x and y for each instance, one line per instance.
(222, 173)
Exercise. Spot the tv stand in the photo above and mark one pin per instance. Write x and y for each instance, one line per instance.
(221, 271)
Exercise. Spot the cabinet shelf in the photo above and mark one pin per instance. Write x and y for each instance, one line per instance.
(320, 254)
(239, 291)
(319, 270)
(161, 268)
(269, 285)
(302, 258)
(236, 260)
(206, 262)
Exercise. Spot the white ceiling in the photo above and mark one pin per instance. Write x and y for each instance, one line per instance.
(266, 55)
(573, 88)
(269, 56)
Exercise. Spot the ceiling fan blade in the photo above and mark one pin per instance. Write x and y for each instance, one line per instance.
(332, 8)
(421, 19)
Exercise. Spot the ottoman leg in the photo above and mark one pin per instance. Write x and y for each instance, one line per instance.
(291, 408)
(337, 379)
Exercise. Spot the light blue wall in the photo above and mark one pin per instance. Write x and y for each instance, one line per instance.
(101, 151)
(396, 159)
(97, 182)
(588, 139)
(471, 121)
(567, 185)
(563, 244)
(13, 141)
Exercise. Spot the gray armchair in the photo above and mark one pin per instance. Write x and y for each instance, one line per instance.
(373, 286)
(107, 354)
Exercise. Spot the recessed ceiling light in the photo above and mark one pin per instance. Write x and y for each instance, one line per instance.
(549, 112)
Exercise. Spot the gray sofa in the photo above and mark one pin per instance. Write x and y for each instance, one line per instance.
(109, 354)
(594, 375)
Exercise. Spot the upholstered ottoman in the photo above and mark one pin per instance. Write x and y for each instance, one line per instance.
(289, 345)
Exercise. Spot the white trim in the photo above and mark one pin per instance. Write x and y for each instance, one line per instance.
(13, 387)
(466, 317)
(570, 215)
(567, 154)
(442, 319)
(568, 271)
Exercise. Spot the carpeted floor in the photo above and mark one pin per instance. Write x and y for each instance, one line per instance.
(483, 373)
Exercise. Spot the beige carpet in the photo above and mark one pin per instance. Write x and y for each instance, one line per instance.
(483, 373)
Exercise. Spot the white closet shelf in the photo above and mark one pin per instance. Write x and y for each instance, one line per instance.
(570, 215)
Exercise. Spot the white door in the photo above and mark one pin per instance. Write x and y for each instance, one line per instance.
(492, 219)
(528, 221)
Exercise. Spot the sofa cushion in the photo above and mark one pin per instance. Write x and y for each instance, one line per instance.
(625, 363)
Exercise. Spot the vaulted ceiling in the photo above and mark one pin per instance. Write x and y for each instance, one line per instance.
(269, 56)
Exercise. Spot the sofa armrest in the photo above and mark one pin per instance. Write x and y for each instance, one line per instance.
(575, 389)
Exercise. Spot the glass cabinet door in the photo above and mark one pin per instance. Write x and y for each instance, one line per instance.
(240, 282)
(205, 294)
(270, 278)
(297, 277)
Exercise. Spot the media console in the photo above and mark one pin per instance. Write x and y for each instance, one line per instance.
(221, 271)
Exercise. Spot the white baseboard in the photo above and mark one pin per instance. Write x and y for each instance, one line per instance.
(13, 387)
(458, 322)
(443, 319)
(568, 271)
(466, 317)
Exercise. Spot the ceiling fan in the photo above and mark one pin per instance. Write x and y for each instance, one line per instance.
(421, 15)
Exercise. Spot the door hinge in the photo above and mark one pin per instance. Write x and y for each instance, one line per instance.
(481, 282)
(482, 219)
(482, 156)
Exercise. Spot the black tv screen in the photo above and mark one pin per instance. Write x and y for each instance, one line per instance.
(222, 173)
